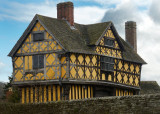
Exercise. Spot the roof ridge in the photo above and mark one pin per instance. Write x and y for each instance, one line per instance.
(75, 22)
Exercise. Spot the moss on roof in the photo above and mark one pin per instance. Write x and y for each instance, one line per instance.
(149, 87)
(79, 40)
(129, 54)
(73, 40)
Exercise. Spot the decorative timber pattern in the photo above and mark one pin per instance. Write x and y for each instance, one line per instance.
(121, 92)
(31, 47)
(113, 51)
(35, 94)
(48, 93)
(23, 61)
(18, 65)
(80, 92)
(124, 72)
(84, 66)
(54, 61)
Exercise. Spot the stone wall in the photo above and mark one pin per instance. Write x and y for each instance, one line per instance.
(142, 104)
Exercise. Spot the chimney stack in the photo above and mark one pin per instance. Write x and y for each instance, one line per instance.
(65, 11)
(131, 35)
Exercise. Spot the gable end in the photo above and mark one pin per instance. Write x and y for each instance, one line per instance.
(26, 33)
(111, 25)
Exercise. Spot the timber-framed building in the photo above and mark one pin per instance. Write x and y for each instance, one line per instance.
(58, 59)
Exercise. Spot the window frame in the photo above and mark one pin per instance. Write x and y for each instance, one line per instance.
(109, 39)
(38, 32)
(106, 62)
(38, 62)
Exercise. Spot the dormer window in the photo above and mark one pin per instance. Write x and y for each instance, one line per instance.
(109, 42)
(38, 37)
(107, 64)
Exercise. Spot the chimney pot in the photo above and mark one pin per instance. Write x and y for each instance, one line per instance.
(65, 11)
(131, 35)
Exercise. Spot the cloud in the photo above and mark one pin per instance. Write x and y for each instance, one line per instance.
(147, 33)
(118, 11)
(25, 12)
(88, 15)
(120, 14)
(154, 11)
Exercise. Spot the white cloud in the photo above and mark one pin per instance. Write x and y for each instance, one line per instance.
(112, 3)
(88, 15)
(141, 11)
(147, 34)
(154, 11)
(108, 2)
(25, 12)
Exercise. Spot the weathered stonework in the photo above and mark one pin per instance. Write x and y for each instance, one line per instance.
(142, 104)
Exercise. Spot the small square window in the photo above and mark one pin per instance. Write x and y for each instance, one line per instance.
(38, 37)
(108, 42)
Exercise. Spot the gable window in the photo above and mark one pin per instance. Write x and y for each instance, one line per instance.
(108, 42)
(38, 37)
(38, 61)
(107, 64)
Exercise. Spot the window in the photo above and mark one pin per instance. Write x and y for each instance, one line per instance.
(108, 42)
(38, 61)
(107, 64)
(38, 37)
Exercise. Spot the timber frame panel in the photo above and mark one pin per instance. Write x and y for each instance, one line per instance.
(68, 73)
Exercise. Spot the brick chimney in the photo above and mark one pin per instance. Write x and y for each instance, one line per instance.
(131, 35)
(65, 11)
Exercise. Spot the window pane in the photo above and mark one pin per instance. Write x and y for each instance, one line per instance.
(35, 61)
(107, 66)
(112, 61)
(38, 37)
(102, 59)
(109, 42)
(112, 42)
(41, 61)
(111, 67)
(102, 66)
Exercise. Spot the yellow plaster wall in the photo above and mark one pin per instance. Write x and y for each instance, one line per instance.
(128, 71)
(18, 68)
(41, 94)
(29, 47)
(48, 45)
(122, 92)
(107, 51)
(84, 67)
(84, 92)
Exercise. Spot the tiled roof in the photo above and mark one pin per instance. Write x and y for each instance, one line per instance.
(149, 87)
(82, 39)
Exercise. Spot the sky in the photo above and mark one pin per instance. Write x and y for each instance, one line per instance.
(15, 16)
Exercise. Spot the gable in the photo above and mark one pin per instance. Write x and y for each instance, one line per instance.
(79, 40)
(109, 34)
(29, 46)
(113, 51)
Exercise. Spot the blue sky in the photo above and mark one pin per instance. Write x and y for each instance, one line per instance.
(12, 28)
(15, 16)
